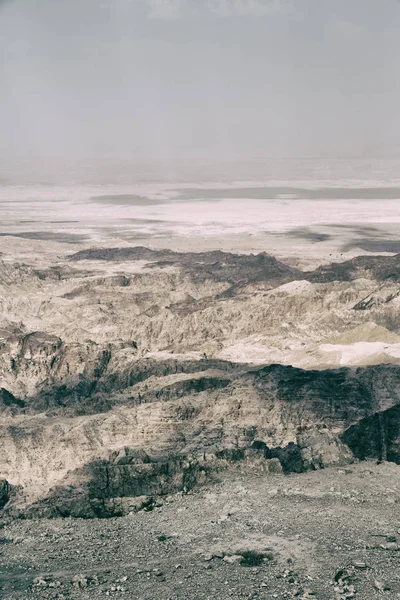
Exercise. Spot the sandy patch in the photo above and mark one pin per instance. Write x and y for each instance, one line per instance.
(363, 352)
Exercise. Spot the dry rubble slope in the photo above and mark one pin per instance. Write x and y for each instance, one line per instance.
(323, 535)
(130, 373)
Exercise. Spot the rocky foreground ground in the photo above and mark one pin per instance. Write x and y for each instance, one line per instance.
(327, 534)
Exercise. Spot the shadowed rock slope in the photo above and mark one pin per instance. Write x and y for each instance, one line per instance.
(177, 429)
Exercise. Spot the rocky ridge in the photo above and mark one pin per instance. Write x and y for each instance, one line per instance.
(153, 354)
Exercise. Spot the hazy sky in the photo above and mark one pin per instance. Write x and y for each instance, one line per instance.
(221, 79)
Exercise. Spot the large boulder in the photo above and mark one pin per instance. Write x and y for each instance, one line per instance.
(320, 448)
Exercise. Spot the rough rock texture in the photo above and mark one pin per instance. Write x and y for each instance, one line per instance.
(380, 268)
(8, 402)
(203, 266)
(377, 436)
(212, 418)
(127, 482)
(320, 448)
(278, 412)
(165, 353)
(4, 492)
(302, 537)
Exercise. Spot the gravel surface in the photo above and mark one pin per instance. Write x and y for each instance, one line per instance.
(329, 534)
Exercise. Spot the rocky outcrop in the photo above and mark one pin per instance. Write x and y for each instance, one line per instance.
(260, 267)
(104, 379)
(379, 268)
(9, 403)
(218, 266)
(128, 481)
(5, 490)
(231, 416)
(319, 448)
(338, 396)
(376, 436)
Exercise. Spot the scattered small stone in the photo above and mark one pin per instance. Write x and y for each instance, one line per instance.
(39, 582)
(391, 538)
(234, 559)
(79, 581)
(208, 557)
(344, 590)
(392, 546)
(342, 575)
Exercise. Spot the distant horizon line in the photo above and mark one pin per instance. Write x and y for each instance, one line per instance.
(6, 162)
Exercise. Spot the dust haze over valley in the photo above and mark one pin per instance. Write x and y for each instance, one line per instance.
(200, 299)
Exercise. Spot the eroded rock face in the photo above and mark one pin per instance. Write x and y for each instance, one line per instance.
(143, 383)
(320, 448)
(376, 436)
(274, 418)
(129, 481)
